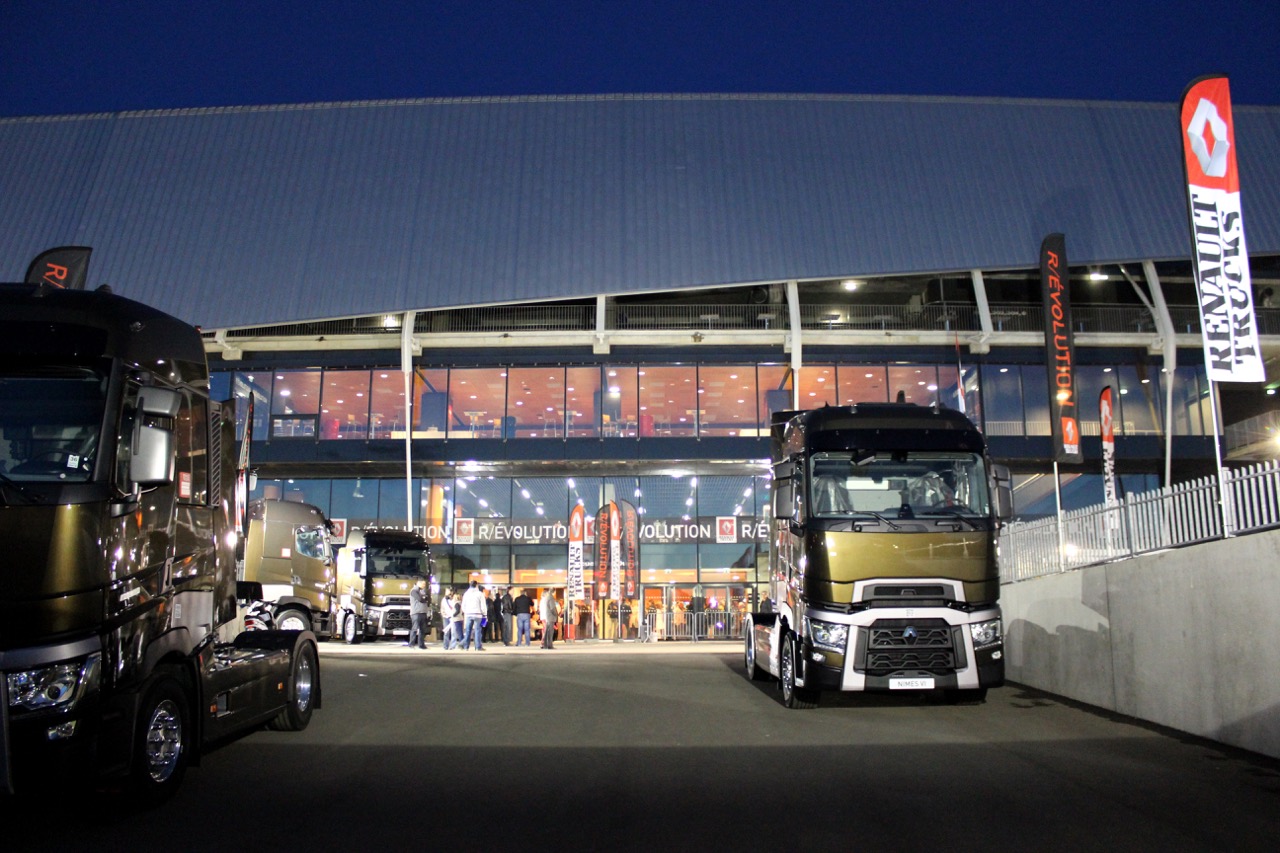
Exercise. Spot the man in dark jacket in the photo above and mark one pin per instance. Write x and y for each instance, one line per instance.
(419, 614)
(522, 607)
(505, 603)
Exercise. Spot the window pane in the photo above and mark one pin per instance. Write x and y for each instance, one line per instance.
(862, 383)
(537, 401)
(617, 401)
(726, 495)
(433, 416)
(540, 565)
(917, 383)
(817, 386)
(1190, 401)
(540, 498)
(1035, 391)
(582, 392)
(344, 404)
(1090, 380)
(1140, 400)
(357, 501)
(727, 398)
(257, 383)
(477, 400)
(295, 403)
(1002, 400)
(775, 391)
(668, 401)
(482, 497)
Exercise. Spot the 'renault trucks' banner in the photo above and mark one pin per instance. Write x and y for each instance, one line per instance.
(1221, 260)
(66, 267)
(1059, 350)
(574, 590)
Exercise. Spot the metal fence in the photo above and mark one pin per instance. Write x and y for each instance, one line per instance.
(707, 625)
(1171, 517)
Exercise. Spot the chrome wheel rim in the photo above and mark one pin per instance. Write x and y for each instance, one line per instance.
(164, 741)
(292, 622)
(302, 683)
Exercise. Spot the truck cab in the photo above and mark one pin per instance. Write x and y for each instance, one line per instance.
(376, 570)
(287, 548)
(883, 571)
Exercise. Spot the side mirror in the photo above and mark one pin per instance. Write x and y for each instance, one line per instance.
(152, 461)
(247, 591)
(1003, 494)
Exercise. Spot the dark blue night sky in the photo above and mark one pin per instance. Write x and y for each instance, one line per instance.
(64, 56)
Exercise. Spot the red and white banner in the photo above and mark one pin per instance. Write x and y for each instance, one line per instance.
(1221, 260)
(1106, 418)
(574, 585)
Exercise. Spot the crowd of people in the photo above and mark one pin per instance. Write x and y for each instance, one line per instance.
(486, 615)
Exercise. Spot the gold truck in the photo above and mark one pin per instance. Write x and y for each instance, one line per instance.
(883, 569)
(287, 549)
(376, 570)
(121, 654)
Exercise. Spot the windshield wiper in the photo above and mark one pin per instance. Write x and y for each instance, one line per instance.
(877, 515)
(955, 512)
(26, 493)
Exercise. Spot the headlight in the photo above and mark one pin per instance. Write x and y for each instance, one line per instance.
(57, 686)
(985, 633)
(828, 635)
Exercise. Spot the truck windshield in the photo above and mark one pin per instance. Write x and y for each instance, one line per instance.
(897, 484)
(400, 563)
(50, 420)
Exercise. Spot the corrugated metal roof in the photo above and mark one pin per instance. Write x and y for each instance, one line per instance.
(261, 215)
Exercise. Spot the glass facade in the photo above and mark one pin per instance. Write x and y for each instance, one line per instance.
(686, 400)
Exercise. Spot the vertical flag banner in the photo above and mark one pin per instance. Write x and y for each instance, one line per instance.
(1059, 350)
(615, 552)
(577, 537)
(66, 267)
(1221, 261)
(604, 539)
(1105, 417)
(629, 545)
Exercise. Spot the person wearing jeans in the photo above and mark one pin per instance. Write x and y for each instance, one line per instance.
(522, 607)
(475, 608)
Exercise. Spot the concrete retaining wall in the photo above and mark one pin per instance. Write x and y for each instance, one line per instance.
(1188, 638)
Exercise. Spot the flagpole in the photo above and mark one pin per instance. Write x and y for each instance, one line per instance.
(1057, 495)
(1224, 496)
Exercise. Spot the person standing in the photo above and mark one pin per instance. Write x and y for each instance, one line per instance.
(522, 607)
(549, 611)
(419, 613)
(491, 623)
(504, 612)
(474, 610)
(448, 607)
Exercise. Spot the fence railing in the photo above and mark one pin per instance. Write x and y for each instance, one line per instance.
(1171, 517)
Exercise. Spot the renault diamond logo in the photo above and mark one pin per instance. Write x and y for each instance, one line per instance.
(910, 634)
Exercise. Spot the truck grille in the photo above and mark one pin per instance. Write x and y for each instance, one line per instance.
(894, 645)
(397, 620)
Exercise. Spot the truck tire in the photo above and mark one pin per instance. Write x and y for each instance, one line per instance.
(163, 743)
(351, 631)
(754, 671)
(793, 696)
(303, 672)
(292, 619)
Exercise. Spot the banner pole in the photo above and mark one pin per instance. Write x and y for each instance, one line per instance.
(1224, 496)
(1057, 495)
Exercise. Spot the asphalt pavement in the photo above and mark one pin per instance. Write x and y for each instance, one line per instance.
(668, 746)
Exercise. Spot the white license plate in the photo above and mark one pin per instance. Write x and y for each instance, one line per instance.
(910, 683)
